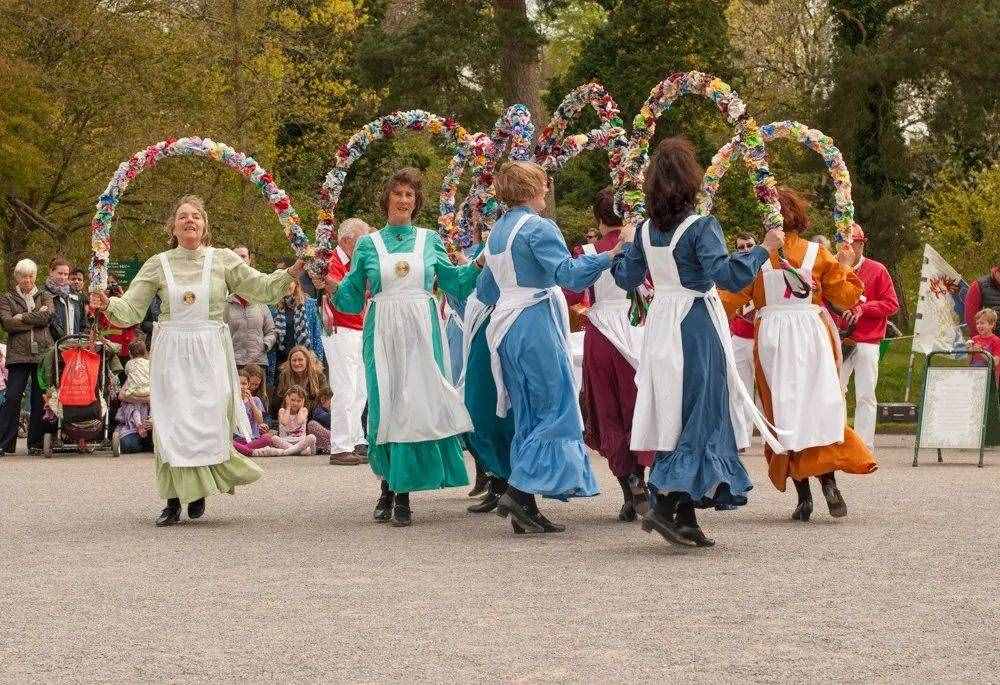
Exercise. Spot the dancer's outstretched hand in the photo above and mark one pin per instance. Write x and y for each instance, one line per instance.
(297, 268)
(99, 301)
(616, 250)
(773, 240)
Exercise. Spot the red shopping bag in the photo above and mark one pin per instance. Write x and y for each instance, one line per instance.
(78, 383)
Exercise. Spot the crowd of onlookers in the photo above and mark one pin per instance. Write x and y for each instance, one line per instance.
(278, 351)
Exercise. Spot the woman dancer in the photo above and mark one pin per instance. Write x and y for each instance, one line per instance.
(796, 352)
(611, 350)
(195, 393)
(415, 443)
(528, 335)
(697, 461)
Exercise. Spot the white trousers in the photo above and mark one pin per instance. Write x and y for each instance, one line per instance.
(743, 351)
(347, 384)
(863, 363)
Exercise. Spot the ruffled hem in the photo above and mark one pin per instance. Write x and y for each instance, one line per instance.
(414, 466)
(558, 469)
(190, 483)
(710, 481)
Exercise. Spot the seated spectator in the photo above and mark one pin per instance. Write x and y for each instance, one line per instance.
(986, 341)
(304, 370)
(25, 314)
(133, 433)
(263, 443)
(258, 388)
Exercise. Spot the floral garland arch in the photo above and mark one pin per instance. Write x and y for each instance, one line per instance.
(242, 163)
(813, 139)
(629, 173)
(454, 136)
(554, 148)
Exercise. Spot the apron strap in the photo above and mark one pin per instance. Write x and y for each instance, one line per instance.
(810, 259)
(588, 248)
(379, 244)
(681, 228)
(168, 275)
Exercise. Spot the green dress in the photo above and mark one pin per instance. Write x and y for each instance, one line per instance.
(229, 275)
(406, 466)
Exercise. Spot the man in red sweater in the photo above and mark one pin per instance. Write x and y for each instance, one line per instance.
(867, 323)
(342, 345)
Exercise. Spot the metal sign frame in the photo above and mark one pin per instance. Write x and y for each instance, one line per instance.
(986, 404)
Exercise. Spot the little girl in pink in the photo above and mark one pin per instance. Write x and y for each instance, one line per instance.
(263, 442)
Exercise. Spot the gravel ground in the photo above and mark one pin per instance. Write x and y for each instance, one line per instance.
(292, 580)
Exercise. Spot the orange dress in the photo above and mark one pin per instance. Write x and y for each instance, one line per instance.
(842, 288)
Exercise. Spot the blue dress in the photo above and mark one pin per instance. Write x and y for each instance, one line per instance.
(705, 464)
(547, 454)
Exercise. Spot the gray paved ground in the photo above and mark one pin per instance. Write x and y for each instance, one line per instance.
(291, 580)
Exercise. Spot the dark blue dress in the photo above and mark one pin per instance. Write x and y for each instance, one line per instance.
(705, 464)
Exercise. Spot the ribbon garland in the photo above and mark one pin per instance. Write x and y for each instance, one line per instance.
(247, 166)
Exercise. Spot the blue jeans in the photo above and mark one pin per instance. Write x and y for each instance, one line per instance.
(133, 444)
(322, 416)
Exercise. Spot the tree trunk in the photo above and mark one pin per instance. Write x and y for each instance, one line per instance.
(521, 64)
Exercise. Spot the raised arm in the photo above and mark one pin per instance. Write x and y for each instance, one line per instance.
(349, 296)
(549, 249)
(131, 307)
(730, 272)
(250, 284)
(629, 267)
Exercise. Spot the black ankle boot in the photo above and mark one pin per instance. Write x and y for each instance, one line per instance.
(640, 493)
(804, 508)
(196, 509)
(171, 514)
(834, 500)
(482, 482)
(661, 520)
(540, 518)
(496, 487)
(514, 503)
(383, 507)
(401, 514)
(687, 525)
(627, 512)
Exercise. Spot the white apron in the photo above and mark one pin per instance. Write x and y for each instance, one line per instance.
(657, 421)
(513, 300)
(194, 386)
(417, 402)
(609, 315)
(793, 345)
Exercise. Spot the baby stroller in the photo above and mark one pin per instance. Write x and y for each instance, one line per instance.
(78, 394)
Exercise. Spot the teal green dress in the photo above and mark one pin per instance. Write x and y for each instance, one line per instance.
(406, 466)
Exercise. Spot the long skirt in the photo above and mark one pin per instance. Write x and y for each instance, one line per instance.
(608, 401)
(547, 454)
(409, 466)
(491, 436)
(705, 464)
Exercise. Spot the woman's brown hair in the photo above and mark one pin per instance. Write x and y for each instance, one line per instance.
(254, 371)
(672, 182)
(794, 210)
(313, 380)
(604, 208)
(405, 177)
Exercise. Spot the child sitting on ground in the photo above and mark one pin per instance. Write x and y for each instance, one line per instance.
(134, 428)
(986, 340)
(263, 443)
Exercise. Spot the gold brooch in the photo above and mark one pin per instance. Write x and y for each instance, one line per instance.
(402, 269)
(189, 297)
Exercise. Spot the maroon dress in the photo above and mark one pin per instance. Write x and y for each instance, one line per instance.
(608, 397)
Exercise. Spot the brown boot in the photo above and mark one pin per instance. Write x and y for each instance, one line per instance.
(345, 459)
